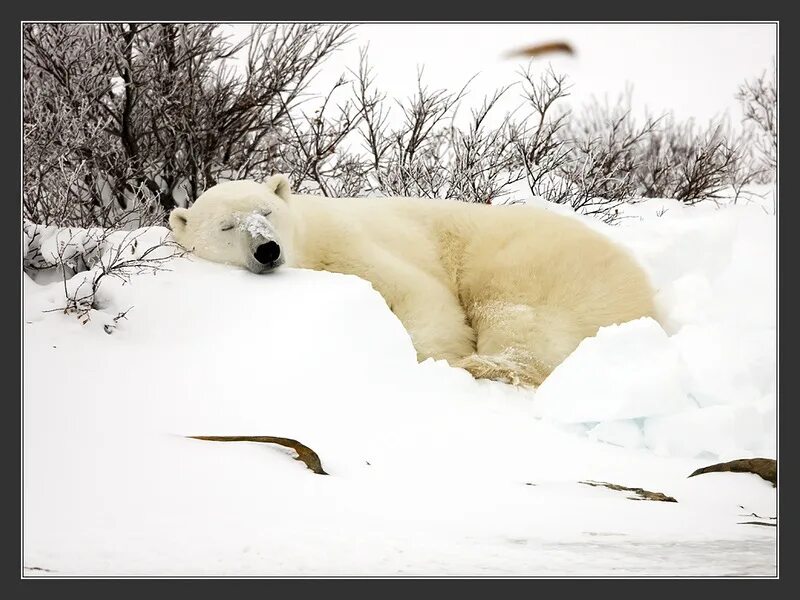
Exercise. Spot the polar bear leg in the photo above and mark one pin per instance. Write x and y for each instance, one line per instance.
(518, 343)
(436, 323)
(428, 309)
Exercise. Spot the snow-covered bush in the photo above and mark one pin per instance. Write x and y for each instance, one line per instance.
(759, 99)
(83, 258)
(124, 119)
(683, 161)
(603, 149)
(123, 122)
(594, 158)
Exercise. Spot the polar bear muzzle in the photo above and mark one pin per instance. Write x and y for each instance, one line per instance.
(265, 256)
(268, 254)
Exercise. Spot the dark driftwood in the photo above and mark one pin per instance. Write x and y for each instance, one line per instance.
(38, 569)
(766, 468)
(304, 453)
(643, 494)
(758, 523)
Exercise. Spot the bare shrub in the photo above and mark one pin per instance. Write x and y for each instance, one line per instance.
(747, 167)
(759, 99)
(537, 139)
(123, 122)
(594, 159)
(114, 112)
(484, 159)
(412, 158)
(605, 147)
(84, 258)
(690, 163)
(313, 153)
(702, 170)
(427, 154)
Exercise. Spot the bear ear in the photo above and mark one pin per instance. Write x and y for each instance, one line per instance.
(178, 219)
(279, 185)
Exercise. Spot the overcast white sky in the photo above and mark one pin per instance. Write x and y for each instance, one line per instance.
(692, 69)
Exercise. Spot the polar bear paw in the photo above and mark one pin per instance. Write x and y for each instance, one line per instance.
(501, 368)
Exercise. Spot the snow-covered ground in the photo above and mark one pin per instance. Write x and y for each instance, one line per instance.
(430, 471)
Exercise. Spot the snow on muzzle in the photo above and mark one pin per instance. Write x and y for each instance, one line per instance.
(265, 253)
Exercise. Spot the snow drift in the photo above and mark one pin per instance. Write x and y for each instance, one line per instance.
(431, 472)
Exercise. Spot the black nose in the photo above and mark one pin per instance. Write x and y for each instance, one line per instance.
(267, 253)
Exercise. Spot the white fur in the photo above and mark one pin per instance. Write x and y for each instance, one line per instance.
(506, 292)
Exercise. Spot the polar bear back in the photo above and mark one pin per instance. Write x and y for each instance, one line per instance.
(514, 253)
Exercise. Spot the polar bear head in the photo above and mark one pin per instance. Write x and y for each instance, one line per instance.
(243, 223)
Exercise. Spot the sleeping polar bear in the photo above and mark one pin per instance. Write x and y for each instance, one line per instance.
(505, 292)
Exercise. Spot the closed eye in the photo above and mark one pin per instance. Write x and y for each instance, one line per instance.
(227, 228)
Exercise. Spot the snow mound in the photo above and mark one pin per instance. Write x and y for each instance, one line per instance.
(431, 472)
(704, 385)
(626, 371)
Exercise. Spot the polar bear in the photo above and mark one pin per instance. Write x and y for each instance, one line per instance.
(505, 292)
